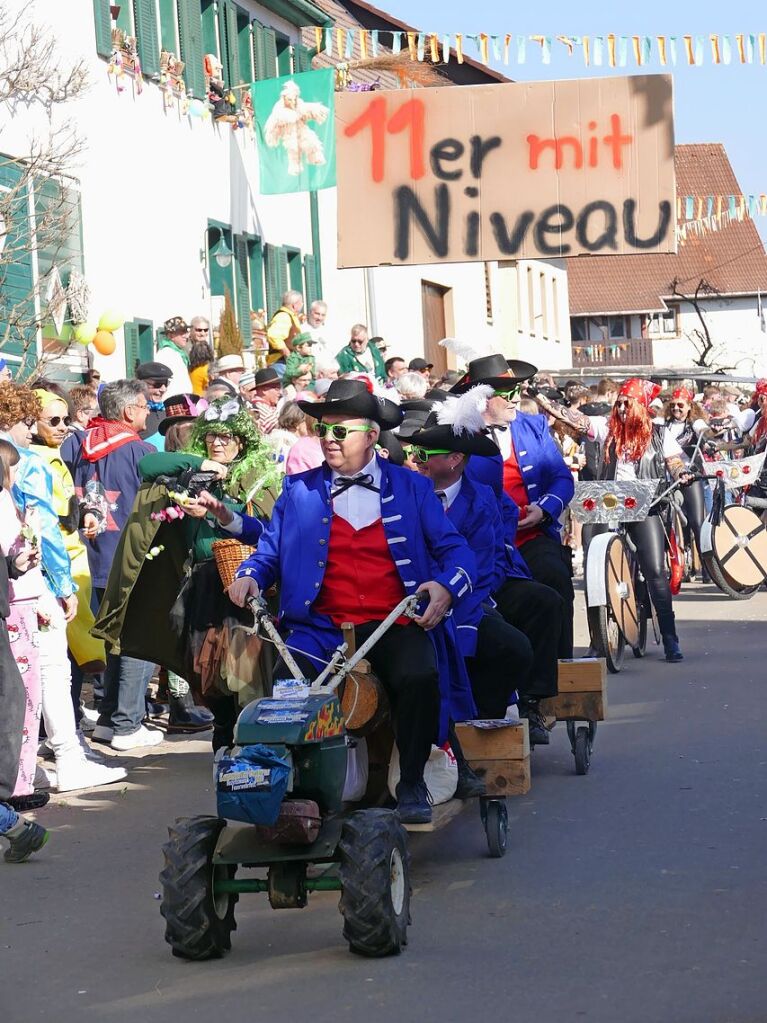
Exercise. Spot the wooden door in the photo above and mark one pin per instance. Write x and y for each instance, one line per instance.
(434, 325)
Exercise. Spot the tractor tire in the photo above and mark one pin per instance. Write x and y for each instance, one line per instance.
(198, 924)
(375, 880)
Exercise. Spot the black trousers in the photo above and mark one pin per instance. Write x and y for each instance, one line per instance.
(12, 706)
(551, 564)
(694, 505)
(501, 664)
(539, 612)
(649, 539)
(404, 661)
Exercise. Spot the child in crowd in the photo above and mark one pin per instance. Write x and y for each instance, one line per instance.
(301, 361)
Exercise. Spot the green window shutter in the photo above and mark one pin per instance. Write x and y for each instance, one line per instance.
(295, 269)
(264, 52)
(276, 277)
(103, 22)
(17, 309)
(190, 38)
(244, 46)
(282, 45)
(242, 287)
(302, 59)
(227, 34)
(132, 354)
(147, 38)
(256, 268)
(168, 38)
(311, 288)
(220, 276)
(209, 36)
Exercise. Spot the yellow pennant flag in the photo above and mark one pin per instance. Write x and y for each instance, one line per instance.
(719, 206)
(434, 45)
(763, 204)
(678, 207)
(637, 50)
(699, 212)
(689, 50)
(412, 46)
(483, 48)
(763, 47)
(341, 41)
(611, 49)
(363, 43)
(318, 33)
(567, 41)
(459, 47)
(662, 49)
(586, 51)
(715, 55)
(741, 48)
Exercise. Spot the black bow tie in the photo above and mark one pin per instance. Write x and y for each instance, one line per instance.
(494, 430)
(342, 483)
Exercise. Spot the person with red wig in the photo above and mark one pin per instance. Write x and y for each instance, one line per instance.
(633, 447)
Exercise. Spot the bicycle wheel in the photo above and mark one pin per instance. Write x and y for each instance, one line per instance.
(606, 638)
(723, 582)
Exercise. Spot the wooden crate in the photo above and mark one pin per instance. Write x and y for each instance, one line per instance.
(499, 755)
(582, 691)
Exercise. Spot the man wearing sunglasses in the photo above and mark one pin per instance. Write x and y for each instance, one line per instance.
(347, 541)
(156, 377)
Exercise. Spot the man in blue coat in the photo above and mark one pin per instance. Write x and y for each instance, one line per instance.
(347, 541)
(532, 474)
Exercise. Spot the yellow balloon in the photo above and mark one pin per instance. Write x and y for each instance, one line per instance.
(111, 320)
(85, 332)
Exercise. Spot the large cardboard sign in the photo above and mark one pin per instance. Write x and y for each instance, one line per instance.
(517, 171)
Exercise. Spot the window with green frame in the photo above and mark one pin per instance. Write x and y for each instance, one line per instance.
(284, 54)
(264, 52)
(276, 276)
(138, 336)
(256, 271)
(295, 269)
(209, 33)
(219, 276)
(168, 26)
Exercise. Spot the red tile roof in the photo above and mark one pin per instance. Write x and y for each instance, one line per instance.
(732, 259)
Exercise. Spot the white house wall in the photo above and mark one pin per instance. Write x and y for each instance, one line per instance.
(735, 328)
(151, 179)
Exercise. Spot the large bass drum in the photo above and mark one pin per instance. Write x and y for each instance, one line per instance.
(734, 551)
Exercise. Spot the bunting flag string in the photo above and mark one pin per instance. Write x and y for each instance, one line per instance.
(700, 215)
(615, 51)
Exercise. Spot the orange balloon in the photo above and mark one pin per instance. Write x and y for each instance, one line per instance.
(104, 342)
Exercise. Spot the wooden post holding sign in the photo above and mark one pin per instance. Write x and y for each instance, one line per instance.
(499, 752)
(519, 171)
(582, 691)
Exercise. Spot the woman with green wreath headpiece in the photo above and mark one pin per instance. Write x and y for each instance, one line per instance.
(165, 600)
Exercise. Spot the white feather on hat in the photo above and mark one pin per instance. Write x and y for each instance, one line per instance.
(464, 412)
(467, 350)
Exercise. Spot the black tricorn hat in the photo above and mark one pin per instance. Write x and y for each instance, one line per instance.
(494, 370)
(412, 423)
(353, 398)
(390, 441)
(436, 435)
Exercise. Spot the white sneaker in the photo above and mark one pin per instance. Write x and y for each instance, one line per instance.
(136, 740)
(88, 752)
(45, 777)
(75, 772)
(102, 733)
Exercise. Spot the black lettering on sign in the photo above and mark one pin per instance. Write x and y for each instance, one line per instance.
(607, 239)
(509, 243)
(407, 210)
(471, 241)
(479, 149)
(629, 225)
(446, 151)
(547, 225)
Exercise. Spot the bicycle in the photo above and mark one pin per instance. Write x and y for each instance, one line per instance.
(617, 600)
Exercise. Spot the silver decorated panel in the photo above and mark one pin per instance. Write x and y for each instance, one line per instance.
(735, 472)
(613, 501)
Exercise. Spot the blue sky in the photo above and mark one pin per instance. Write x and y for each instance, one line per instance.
(713, 103)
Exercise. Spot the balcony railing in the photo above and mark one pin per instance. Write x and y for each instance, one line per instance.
(634, 352)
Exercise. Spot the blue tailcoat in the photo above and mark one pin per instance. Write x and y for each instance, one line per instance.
(475, 515)
(424, 546)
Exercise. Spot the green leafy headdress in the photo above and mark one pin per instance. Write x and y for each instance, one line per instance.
(255, 468)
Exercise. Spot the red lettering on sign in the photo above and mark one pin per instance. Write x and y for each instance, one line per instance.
(615, 141)
(409, 115)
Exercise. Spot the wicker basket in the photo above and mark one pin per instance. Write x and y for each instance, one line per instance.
(229, 555)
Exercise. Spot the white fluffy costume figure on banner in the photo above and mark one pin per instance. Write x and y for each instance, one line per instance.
(287, 126)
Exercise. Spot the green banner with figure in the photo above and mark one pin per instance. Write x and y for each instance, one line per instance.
(296, 132)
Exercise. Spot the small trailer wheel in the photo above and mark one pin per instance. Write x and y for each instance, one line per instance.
(582, 751)
(496, 820)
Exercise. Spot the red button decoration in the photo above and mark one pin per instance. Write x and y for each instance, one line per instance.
(589, 504)
(746, 470)
(720, 473)
(630, 502)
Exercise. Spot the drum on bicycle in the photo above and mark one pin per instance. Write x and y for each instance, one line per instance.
(617, 602)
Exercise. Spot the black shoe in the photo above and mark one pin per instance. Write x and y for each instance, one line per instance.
(470, 785)
(35, 800)
(184, 716)
(413, 804)
(671, 649)
(155, 709)
(536, 726)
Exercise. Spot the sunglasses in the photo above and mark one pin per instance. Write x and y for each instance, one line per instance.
(678, 404)
(158, 384)
(57, 421)
(337, 430)
(509, 395)
(422, 455)
(358, 341)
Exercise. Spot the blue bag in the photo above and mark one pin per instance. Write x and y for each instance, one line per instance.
(250, 786)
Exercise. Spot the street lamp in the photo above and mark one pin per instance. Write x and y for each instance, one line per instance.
(220, 251)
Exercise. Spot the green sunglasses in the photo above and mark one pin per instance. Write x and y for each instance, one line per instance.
(337, 430)
(422, 455)
(508, 395)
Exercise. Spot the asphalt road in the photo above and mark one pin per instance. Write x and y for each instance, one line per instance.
(635, 894)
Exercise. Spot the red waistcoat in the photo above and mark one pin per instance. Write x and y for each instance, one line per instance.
(515, 487)
(361, 582)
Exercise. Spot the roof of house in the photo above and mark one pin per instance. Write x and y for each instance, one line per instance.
(358, 14)
(732, 260)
